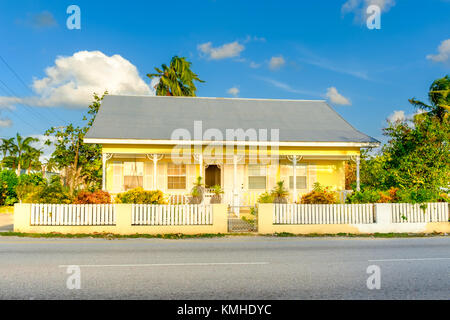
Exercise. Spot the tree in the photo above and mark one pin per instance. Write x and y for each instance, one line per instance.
(6, 147)
(416, 156)
(21, 149)
(80, 164)
(439, 98)
(177, 79)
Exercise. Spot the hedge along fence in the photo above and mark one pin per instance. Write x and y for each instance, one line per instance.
(413, 213)
(73, 215)
(153, 215)
(323, 214)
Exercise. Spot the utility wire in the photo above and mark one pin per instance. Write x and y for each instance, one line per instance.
(25, 85)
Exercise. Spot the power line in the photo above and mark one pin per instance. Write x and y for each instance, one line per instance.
(25, 85)
(18, 117)
(23, 103)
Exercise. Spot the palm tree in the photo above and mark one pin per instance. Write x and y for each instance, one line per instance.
(5, 147)
(439, 98)
(21, 147)
(176, 79)
(30, 159)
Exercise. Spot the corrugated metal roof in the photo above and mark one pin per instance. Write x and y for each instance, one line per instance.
(155, 118)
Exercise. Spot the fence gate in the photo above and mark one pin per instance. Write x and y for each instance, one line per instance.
(242, 218)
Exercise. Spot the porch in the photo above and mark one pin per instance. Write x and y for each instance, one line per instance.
(243, 178)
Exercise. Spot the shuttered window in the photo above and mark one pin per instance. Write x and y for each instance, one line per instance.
(176, 176)
(133, 175)
(257, 177)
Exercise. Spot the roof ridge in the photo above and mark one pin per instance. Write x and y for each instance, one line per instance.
(216, 98)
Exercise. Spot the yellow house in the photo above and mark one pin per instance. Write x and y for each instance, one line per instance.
(243, 145)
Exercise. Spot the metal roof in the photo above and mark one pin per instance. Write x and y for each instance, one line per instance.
(156, 118)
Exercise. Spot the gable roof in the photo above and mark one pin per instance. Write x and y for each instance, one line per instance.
(155, 118)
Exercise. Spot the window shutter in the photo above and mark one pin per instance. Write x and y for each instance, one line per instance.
(161, 173)
(117, 177)
(312, 175)
(148, 175)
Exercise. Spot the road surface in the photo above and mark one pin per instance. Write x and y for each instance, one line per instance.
(224, 268)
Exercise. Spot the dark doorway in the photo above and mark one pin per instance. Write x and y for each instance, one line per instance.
(212, 176)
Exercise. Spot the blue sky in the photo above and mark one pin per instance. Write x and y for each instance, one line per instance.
(265, 49)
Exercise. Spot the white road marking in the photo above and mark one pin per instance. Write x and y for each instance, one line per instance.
(411, 259)
(168, 264)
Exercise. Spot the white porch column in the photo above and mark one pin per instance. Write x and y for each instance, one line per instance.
(105, 157)
(236, 200)
(358, 187)
(155, 158)
(294, 160)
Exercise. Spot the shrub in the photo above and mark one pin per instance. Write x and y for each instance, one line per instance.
(96, 197)
(394, 195)
(319, 195)
(365, 196)
(35, 179)
(197, 192)
(8, 184)
(217, 197)
(265, 198)
(142, 196)
(53, 192)
(280, 193)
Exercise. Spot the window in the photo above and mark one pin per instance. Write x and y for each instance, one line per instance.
(133, 175)
(300, 176)
(176, 176)
(257, 177)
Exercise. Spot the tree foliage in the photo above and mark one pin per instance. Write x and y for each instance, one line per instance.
(177, 79)
(416, 156)
(80, 164)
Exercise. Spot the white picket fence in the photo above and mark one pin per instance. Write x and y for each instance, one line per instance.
(188, 214)
(72, 214)
(323, 214)
(410, 213)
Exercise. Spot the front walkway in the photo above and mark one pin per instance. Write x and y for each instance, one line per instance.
(6, 222)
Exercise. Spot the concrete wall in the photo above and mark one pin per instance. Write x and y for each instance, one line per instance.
(383, 224)
(22, 219)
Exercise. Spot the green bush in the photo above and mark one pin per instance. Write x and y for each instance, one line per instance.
(8, 183)
(265, 198)
(395, 195)
(319, 195)
(142, 196)
(53, 192)
(365, 196)
(35, 179)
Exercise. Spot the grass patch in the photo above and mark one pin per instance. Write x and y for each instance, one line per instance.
(353, 235)
(6, 209)
(111, 236)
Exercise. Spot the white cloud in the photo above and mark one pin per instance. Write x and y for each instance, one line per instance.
(359, 7)
(228, 50)
(398, 115)
(71, 81)
(443, 53)
(40, 145)
(254, 65)
(335, 97)
(276, 63)
(234, 91)
(5, 123)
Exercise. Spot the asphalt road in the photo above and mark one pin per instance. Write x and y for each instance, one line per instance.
(225, 268)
